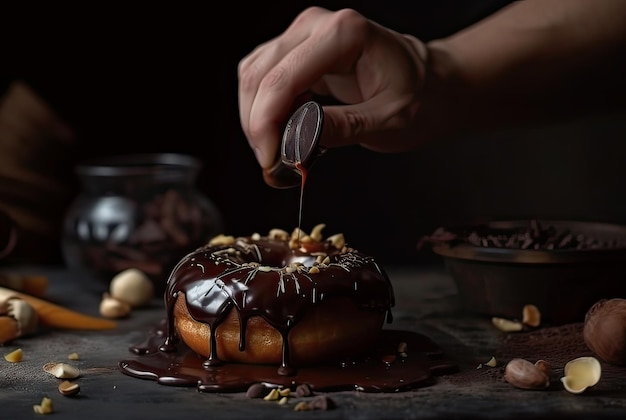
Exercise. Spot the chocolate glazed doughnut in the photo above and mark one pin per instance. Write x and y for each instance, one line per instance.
(283, 299)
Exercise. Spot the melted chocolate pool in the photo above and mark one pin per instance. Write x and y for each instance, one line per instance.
(266, 277)
(383, 369)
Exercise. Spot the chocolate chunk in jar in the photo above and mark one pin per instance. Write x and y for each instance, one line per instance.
(137, 211)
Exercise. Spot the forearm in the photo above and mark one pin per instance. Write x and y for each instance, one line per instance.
(534, 60)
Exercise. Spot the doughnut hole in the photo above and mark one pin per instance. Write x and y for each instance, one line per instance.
(331, 330)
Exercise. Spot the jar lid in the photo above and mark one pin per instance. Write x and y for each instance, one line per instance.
(136, 164)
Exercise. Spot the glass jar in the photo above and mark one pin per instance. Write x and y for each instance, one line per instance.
(137, 211)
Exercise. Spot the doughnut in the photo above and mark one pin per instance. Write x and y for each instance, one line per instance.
(281, 299)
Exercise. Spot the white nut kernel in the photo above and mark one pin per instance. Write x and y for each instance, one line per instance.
(316, 233)
(113, 308)
(45, 407)
(506, 325)
(492, 362)
(222, 240)
(337, 240)
(62, 370)
(272, 396)
(25, 315)
(133, 287)
(15, 356)
(278, 234)
(581, 374)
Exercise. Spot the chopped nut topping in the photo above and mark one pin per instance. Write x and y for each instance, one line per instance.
(316, 233)
(222, 240)
(297, 233)
(337, 240)
(279, 234)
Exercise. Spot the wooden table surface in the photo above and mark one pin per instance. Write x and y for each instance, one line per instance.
(426, 302)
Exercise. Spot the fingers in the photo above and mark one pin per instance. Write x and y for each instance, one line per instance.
(277, 73)
(266, 66)
(375, 72)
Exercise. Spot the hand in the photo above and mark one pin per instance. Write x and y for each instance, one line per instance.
(375, 73)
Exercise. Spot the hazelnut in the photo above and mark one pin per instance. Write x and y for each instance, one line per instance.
(133, 287)
(604, 330)
(523, 374)
(113, 308)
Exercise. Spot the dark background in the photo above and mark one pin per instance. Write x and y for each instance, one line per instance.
(162, 77)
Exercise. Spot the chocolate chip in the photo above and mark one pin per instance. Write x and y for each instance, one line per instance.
(303, 390)
(257, 390)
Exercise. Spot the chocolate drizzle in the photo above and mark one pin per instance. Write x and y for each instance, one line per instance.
(265, 277)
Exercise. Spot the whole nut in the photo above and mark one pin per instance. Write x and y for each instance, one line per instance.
(133, 287)
(68, 388)
(62, 370)
(523, 374)
(113, 308)
(604, 330)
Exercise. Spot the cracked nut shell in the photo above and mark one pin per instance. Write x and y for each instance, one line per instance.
(525, 375)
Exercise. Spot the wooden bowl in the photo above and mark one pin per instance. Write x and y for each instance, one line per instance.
(585, 262)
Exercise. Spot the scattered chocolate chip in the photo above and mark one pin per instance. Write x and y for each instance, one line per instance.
(256, 391)
(303, 390)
